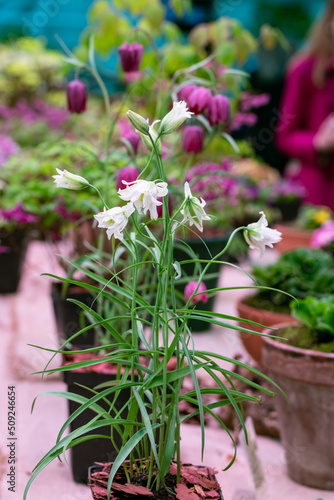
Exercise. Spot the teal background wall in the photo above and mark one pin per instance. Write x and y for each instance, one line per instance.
(68, 18)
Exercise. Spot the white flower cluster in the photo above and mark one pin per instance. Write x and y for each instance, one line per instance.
(141, 195)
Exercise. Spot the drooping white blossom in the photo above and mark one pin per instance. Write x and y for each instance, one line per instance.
(175, 117)
(115, 220)
(259, 235)
(193, 209)
(67, 180)
(144, 195)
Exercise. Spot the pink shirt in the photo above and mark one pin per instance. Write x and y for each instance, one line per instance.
(303, 109)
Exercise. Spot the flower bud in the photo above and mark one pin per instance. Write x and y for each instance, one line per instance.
(134, 139)
(175, 117)
(130, 56)
(76, 96)
(190, 289)
(128, 174)
(218, 110)
(193, 139)
(199, 99)
(185, 92)
(67, 180)
(138, 122)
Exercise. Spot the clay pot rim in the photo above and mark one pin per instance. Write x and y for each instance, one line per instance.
(291, 350)
(289, 227)
(285, 317)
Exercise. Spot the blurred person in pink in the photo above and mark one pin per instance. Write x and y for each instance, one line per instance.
(305, 129)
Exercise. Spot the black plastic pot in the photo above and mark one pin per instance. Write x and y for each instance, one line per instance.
(85, 454)
(289, 211)
(97, 468)
(203, 250)
(70, 318)
(11, 260)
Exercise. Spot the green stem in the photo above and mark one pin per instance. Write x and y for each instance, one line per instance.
(217, 257)
(100, 195)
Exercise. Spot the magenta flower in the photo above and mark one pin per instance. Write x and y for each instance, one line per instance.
(190, 289)
(249, 101)
(218, 110)
(193, 139)
(133, 138)
(130, 56)
(128, 174)
(323, 236)
(198, 100)
(18, 214)
(185, 92)
(170, 206)
(76, 96)
(8, 147)
(240, 119)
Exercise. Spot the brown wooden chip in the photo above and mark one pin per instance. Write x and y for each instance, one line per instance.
(132, 489)
(212, 494)
(184, 493)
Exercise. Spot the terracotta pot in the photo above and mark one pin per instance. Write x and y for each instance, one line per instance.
(253, 343)
(306, 421)
(292, 238)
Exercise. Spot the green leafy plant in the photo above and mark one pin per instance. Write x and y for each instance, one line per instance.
(29, 70)
(151, 429)
(299, 273)
(317, 316)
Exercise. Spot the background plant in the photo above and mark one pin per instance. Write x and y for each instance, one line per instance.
(300, 273)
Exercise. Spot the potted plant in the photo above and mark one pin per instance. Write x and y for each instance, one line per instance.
(299, 232)
(287, 196)
(323, 237)
(150, 429)
(298, 273)
(301, 360)
(15, 228)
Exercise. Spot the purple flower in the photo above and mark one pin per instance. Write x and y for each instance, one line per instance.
(130, 56)
(38, 111)
(287, 188)
(18, 214)
(128, 174)
(185, 92)
(190, 289)
(198, 100)
(62, 210)
(249, 101)
(193, 139)
(248, 119)
(133, 138)
(8, 147)
(323, 236)
(76, 96)
(218, 110)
